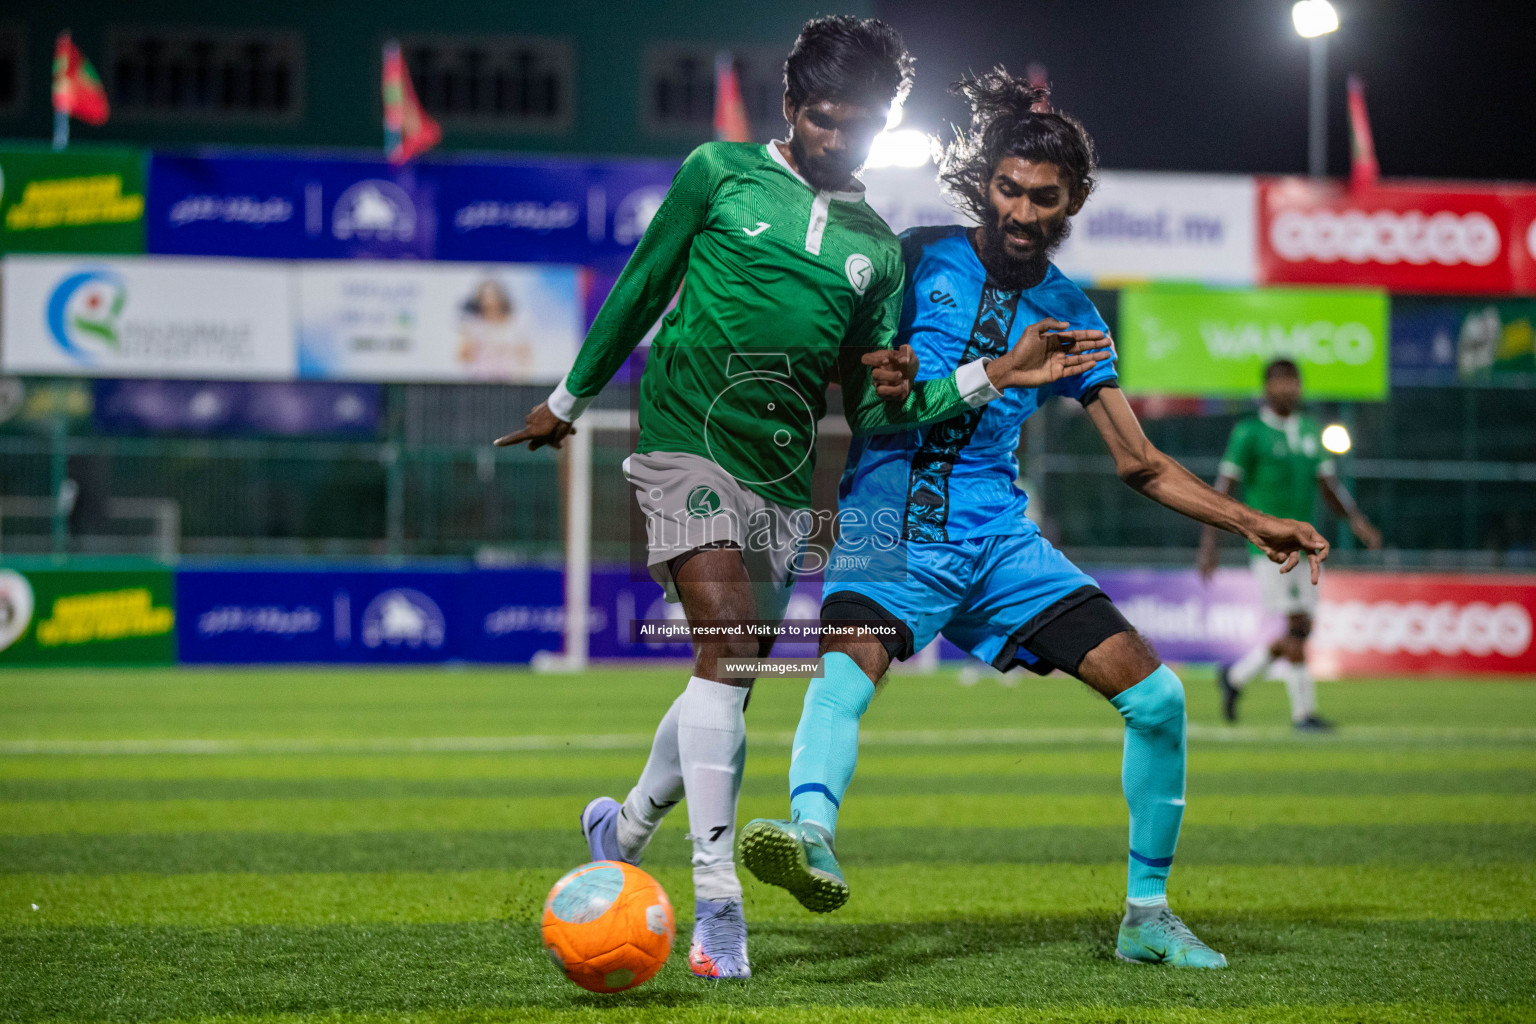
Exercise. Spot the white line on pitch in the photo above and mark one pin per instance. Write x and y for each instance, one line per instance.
(640, 741)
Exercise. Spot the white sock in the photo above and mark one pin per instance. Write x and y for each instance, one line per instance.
(712, 746)
(1249, 667)
(660, 787)
(1303, 692)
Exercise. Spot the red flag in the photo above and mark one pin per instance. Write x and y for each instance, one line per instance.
(409, 131)
(730, 112)
(77, 92)
(1363, 170)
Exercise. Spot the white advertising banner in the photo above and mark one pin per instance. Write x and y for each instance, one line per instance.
(393, 321)
(1137, 226)
(147, 317)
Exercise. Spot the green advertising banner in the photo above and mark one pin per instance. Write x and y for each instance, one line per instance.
(78, 617)
(87, 201)
(1216, 343)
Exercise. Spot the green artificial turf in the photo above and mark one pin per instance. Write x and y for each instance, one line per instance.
(339, 846)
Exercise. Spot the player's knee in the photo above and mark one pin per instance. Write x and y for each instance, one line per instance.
(843, 696)
(1157, 699)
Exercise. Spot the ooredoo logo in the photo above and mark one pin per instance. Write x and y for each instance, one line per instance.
(1385, 236)
(83, 312)
(1418, 627)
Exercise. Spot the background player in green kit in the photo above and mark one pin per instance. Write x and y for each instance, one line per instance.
(1278, 458)
(789, 282)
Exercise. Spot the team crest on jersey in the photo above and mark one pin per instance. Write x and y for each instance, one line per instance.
(703, 502)
(860, 271)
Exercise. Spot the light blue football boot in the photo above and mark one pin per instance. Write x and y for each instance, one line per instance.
(719, 950)
(797, 856)
(600, 828)
(1155, 935)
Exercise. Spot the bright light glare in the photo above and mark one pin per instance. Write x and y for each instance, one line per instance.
(894, 117)
(904, 148)
(1336, 438)
(1314, 18)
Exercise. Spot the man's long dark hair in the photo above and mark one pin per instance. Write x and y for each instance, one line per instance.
(1004, 123)
(845, 58)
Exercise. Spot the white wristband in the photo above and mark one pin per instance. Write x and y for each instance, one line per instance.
(974, 384)
(566, 405)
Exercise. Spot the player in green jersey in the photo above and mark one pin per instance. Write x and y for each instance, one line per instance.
(789, 282)
(1279, 459)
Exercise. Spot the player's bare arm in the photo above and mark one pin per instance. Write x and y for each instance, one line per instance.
(1146, 469)
(1207, 558)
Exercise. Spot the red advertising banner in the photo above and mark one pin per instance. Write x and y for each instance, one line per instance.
(1374, 624)
(1426, 237)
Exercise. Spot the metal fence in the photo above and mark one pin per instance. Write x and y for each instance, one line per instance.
(1449, 474)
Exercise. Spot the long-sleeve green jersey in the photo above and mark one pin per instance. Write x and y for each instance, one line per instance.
(783, 286)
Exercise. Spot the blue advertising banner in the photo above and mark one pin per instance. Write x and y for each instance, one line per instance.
(1445, 342)
(478, 615)
(317, 616)
(543, 211)
(281, 208)
(238, 408)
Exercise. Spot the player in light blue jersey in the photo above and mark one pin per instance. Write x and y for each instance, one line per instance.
(933, 536)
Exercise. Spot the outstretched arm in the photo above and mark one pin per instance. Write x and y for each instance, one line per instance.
(649, 280)
(1142, 466)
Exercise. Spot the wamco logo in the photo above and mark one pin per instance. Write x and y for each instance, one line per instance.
(83, 313)
(1386, 236)
(1318, 341)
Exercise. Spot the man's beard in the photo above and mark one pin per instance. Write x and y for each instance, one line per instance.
(1012, 273)
(823, 174)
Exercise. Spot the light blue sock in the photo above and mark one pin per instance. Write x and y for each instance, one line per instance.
(827, 741)
(1152, 775)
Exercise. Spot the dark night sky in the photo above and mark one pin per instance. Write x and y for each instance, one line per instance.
(1221, 85)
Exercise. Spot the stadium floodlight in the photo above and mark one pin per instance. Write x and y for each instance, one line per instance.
(1314, 18)
(1314, 21)
(906, 147)
(894, 117)
(1336, 438)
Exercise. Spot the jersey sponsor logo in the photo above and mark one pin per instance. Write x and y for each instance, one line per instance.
(860, 271)
(1386, 236)
(762, 226)
(702, 502)
(939, 298)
